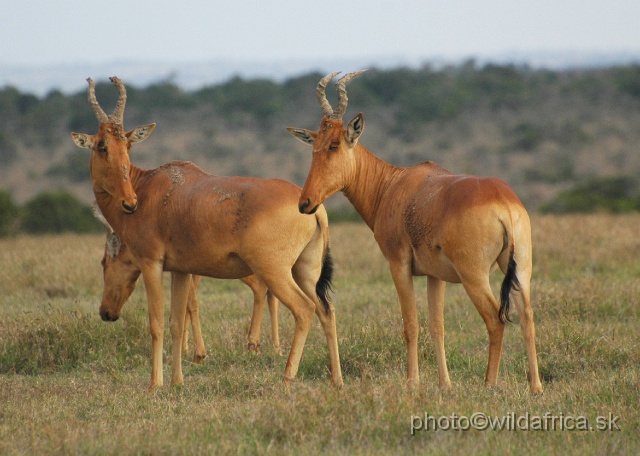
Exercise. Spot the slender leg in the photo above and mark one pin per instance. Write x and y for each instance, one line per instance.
(435, 296)
(527, 325)
(287, 291)
(152, 277)
(403, 280)
(185, 335)
(259, 290)
(328, 321)
(180, 284)
(326, 314)
(479, 291)
(193, 310)
(272, 302)
(188, 319)
(307, 272)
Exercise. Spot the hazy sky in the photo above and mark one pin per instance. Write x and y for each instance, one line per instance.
(45, 32)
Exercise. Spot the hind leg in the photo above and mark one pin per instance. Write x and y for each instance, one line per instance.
(403, 281)
(193, 314)
(527, 325)
(307, 272)
(525, 313)
(435, 298)
(272, 302)
(259, 290)
(282, 285)
(180, 284)
(307, 279)
(479, 291)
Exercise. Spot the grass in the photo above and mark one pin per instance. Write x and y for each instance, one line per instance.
(70, 383)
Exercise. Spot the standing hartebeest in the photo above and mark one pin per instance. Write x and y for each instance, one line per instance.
(120, 274)
(429, 222)
(180, 219)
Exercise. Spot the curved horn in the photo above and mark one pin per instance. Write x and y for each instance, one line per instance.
(95, 107)
(342, 92)
(322, 96)
(118, 113)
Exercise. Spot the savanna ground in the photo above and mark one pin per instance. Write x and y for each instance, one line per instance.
(70, 383)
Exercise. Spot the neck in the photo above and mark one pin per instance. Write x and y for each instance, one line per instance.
(370, 183)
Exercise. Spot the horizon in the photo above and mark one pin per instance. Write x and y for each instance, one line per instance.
(69, 79)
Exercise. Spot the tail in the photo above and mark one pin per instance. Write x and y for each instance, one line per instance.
(510, 282)
(323, 286)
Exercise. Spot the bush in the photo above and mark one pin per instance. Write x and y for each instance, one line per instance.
(58, 212)
(8, 215)
(610, 194)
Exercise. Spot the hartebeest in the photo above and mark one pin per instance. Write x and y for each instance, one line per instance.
(120, 274)
(429, 222)
(180, 219)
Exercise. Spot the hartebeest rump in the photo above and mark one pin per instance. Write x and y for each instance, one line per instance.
(429, 222)
(120, 275)
(180, 219)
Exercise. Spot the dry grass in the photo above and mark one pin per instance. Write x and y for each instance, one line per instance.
(70, 383)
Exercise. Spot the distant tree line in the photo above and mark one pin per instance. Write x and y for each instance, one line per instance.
(416, 97)
(441, 110)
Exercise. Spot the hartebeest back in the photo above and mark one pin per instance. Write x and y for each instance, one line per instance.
(429, 222)
(180, 219)
(120, 274)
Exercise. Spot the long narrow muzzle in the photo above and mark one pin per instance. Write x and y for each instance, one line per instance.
(130, 208)
(303, 207)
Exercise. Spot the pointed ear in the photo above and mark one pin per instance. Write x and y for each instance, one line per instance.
(140, 133)
(306, 136)
(83, 141)
(355, 128)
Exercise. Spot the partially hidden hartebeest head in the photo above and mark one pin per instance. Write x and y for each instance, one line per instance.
(333, 164)
(119, 271)
(110, 147)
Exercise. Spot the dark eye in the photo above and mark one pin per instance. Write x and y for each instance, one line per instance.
(334, 146)
(102, 146)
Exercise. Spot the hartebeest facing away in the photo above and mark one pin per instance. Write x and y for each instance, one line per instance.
(180, 219)
(120, 274)
(429, 222)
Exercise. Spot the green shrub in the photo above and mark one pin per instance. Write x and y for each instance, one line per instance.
(610, 194)
(58, 212)
(8, 215)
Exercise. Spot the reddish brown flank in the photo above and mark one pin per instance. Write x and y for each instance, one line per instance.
(429, 222)
(180, 219)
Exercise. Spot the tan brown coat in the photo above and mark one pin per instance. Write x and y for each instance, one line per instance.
(429, 222)
(180, 219)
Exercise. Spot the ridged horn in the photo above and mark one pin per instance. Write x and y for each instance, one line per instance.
(322, 96)
(95, 107)
(118, 113)
(342, 93)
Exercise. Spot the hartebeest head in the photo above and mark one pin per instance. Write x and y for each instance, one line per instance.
(119, 272)
(110, 163)
(333, 164)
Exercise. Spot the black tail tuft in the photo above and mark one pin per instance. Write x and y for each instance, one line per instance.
(510, 282)
(323, 286)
